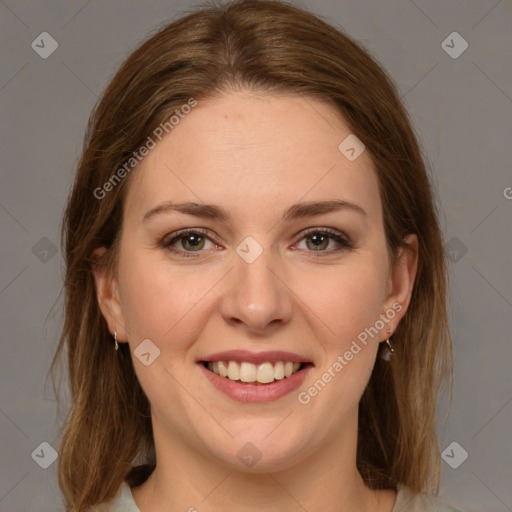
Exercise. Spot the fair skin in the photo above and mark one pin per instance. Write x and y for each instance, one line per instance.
(255, 156)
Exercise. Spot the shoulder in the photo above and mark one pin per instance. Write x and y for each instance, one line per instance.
(122, 502)
(407, 501)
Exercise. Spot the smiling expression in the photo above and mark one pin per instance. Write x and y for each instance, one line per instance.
(250, 243)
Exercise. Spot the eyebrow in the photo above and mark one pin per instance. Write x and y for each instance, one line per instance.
(210, 211)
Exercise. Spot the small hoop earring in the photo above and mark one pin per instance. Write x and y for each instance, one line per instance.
(388, 342)
(116, 343)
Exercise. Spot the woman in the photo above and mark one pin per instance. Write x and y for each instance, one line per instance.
(255, 287)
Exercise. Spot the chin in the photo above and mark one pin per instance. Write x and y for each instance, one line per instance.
(260, 450)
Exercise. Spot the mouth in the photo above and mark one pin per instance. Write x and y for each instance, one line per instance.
(255, 377)
(261, 374)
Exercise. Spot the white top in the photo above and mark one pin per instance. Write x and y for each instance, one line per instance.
(406, 501)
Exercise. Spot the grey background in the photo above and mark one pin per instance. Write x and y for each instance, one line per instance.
(461, 109)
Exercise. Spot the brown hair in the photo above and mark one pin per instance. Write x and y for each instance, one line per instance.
(262, 46)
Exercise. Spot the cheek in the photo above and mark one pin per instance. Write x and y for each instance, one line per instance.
(345, 301)
(344, 307)
(162, 303)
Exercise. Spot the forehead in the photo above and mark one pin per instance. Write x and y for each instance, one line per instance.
(243, 151)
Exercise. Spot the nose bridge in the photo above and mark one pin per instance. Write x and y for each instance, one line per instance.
(255, 295)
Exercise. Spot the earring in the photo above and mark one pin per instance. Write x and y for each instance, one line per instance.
(388, 342)
(115, 339)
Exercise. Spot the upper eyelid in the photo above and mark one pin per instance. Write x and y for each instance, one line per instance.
(329, 231)
(182, 232)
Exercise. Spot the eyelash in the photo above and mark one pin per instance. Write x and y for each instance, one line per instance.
(340, 238)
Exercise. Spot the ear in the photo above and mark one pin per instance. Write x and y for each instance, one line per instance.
(108, 295)
(401, 281)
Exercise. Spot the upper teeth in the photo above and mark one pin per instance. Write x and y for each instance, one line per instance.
(263, 373)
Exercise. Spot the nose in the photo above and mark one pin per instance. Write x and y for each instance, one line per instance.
(256, 297)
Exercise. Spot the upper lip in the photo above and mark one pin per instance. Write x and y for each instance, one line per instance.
(256, 357)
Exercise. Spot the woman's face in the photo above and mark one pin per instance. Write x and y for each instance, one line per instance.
(274, 253)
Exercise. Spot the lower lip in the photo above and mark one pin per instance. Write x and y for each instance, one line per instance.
(250, 393)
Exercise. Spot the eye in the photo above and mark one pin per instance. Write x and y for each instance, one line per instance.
(322, 240)
(188, 241)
